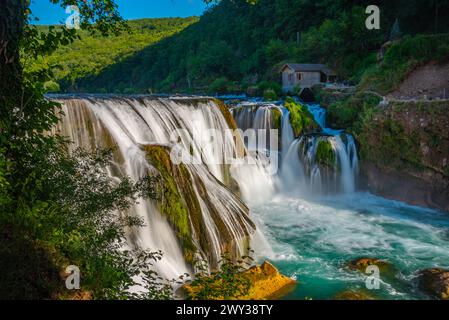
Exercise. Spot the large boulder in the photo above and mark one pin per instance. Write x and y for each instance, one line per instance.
(435, 282)
(360, 264)
(386, 270)
(267, 282)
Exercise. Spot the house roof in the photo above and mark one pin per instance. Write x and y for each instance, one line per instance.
(297, 67)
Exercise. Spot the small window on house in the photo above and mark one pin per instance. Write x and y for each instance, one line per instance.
(290, 77)
(298, 76)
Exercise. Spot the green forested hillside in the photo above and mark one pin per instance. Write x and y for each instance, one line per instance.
(89, 55)
(236, 44)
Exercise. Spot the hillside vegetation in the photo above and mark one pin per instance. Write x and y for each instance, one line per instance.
(236, 45)
(89, 55)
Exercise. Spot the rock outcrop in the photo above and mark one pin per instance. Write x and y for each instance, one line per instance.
(435, 282)
(430, 81)
(183, 199)
(405, 153)
(265, 282)
(361, 264)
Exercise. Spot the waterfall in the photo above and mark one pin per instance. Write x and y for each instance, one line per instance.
(287, 135)
(329, 163)
(202, 209)
(202, 213)
(324, 162)
(319, 114)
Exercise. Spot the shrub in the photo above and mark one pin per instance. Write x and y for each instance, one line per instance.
(301, 119)
(219, 86)
(270, 95)
(401, 58)
(51, 86)
(227, 283)
(265, 85)
(325, 155)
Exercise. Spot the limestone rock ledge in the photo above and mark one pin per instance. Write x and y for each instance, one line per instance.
(267, 283)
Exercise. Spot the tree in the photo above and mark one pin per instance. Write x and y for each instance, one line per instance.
(43, 189)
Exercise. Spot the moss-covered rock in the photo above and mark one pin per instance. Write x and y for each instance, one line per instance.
(177, 201)
(180, 193)
(325, 155)
(240, 146)
(301, 119)
(226, 114)
(361, 264)
(328, 95)
(277, 118)
(349, 111)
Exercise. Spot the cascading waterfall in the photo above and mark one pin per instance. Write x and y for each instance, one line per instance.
(287, 135)
(140, 130)
(319, 163)
(330, 162)
(316, 223)
(204, 214)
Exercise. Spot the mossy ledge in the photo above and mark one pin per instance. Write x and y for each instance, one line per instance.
(325, 155)
(301, 119)
(277, 118)
(226, 114)
(179, 200)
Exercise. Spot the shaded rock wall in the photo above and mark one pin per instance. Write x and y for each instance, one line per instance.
(405, 153)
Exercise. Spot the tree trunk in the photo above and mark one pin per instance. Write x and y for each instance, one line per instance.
(12, 21)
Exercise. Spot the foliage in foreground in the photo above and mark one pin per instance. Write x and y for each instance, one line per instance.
(77, 216)
(58, 209)
(227, 283)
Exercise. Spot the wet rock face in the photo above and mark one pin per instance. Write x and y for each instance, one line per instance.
(405, 153)
(180, 194)
(435, 282)
(398, 185)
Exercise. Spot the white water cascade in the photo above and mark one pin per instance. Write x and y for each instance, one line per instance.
(139, 129)
(321, 162)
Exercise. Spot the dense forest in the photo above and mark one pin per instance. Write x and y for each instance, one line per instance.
(237, 44)
(89, 55)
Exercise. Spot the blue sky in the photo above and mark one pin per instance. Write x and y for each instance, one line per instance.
(130, 9)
